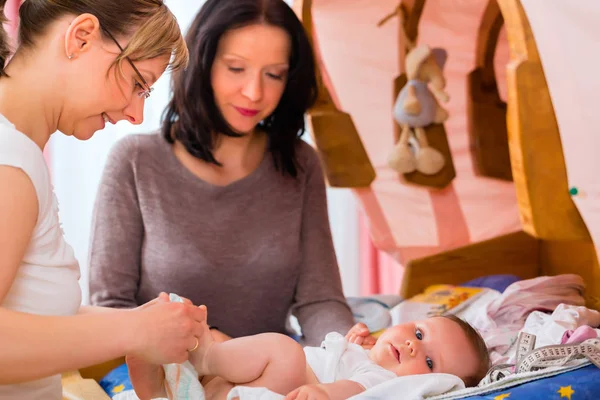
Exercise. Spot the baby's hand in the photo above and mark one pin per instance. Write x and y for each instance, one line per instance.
(308, 392)
(359, 334)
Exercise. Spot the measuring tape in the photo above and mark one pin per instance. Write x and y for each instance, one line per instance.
(530, 359)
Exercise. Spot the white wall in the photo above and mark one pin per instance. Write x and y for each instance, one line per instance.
(77, 168)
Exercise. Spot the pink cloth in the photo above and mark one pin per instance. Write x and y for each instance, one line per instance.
(579, 335)
(500, 321)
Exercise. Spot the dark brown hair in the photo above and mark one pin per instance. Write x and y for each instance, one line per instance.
(480, 348)
(193, 118)
(153, 28)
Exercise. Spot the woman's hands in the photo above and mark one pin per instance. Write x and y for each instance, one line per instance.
(168, 331)
(162, 332)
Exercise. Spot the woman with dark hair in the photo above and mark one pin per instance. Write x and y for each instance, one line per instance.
(226, 205)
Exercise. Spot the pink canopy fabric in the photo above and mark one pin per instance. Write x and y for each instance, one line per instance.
(361, 62)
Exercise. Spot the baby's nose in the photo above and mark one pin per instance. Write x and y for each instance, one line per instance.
(411, 347)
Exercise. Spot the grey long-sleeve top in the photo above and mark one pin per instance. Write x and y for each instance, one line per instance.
(251, 251)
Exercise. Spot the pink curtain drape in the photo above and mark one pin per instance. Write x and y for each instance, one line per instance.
(11, 10)
(379, 271)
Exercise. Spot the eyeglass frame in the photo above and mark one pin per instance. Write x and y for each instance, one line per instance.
(147, 90)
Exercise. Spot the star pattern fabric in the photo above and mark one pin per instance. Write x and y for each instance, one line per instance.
(566, 391)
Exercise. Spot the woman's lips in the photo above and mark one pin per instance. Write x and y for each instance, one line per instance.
(246, 112)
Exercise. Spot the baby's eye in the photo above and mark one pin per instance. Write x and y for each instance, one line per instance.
(236, 70)
(418, 334)
(429, 363)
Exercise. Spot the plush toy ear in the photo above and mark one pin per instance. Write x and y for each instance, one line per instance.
(440, 56)
(415, 58)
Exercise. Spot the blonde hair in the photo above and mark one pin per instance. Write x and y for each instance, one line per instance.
(150, 25)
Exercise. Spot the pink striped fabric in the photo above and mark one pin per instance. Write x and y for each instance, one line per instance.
(361, 62)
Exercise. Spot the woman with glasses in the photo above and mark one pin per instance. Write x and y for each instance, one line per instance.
(226, 204)
(79, 65)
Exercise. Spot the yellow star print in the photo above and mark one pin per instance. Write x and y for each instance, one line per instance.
(565, 391)
(502, 396)
(118, 389)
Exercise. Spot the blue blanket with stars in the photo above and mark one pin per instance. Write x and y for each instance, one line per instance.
(580, 384)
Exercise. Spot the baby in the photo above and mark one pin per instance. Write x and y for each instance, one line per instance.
(338, 369)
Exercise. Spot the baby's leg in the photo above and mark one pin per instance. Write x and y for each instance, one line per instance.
(269, 360)
(147, 379)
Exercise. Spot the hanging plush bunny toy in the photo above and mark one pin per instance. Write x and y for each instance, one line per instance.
(417, 106)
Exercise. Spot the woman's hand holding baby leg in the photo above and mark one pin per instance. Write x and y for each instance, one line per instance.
(163, 332)
(146, 373)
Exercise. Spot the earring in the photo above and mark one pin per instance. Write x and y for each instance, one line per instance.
(71, 56)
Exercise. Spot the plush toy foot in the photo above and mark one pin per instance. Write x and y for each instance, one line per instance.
(402, 159)
(440, 116)
(430, 161)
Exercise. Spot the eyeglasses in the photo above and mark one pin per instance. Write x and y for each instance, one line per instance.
(145, 93)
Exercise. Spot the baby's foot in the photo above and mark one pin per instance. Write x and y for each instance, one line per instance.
(199, 357)
(147, 379)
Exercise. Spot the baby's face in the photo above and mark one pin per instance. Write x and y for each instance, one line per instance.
(421, 347)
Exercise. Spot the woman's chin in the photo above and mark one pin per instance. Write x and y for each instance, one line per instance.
(83, 133)
(243, 128)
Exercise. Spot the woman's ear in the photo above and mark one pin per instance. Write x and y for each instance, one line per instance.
(82, 32)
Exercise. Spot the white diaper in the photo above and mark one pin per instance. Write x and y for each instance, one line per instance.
(181, 380)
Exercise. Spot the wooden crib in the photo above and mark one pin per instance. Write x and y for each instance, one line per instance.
(554, 239)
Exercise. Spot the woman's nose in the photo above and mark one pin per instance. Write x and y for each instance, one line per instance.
(134, 112)
(253, 89)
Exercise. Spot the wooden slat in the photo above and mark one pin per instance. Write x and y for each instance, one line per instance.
(99, 371)
(486, 112)
(573, 257)
(413, 9)
(487, 39)
(345, 160)
(516, 253)
(539, 172)
(77, 387)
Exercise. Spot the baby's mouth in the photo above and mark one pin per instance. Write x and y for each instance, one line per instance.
(396, 353)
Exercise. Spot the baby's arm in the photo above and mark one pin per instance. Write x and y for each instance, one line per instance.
(359, 334)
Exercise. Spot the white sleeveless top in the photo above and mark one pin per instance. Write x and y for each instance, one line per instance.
(46, 282)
